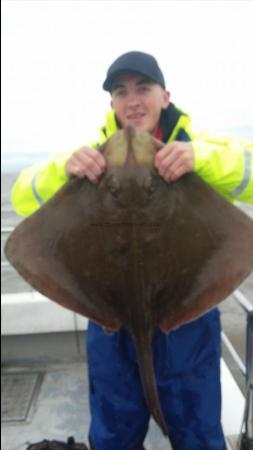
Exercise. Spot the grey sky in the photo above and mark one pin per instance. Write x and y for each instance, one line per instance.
(55, 55)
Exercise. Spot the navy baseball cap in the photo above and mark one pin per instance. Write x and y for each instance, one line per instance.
(134, 62)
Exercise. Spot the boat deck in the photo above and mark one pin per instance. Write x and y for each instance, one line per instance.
(59, 406)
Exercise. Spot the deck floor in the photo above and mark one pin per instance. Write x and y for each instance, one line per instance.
(60, 410)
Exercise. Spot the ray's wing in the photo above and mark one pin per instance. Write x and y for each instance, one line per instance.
(197, 249)
(57, 250)
(208, 249)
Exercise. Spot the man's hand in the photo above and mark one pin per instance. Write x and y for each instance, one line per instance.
(174, 160)
(86, 162)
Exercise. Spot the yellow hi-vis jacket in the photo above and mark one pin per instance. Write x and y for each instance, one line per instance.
(225, 163)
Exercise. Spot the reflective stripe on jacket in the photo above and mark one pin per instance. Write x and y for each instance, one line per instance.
(226, 163)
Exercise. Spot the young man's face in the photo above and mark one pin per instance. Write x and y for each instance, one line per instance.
(138, 102)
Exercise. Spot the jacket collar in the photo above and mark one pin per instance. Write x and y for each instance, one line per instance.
(169, 120)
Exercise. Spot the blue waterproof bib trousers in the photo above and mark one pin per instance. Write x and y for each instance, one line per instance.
(187, 366)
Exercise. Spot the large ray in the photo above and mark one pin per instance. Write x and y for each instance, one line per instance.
(135, 251)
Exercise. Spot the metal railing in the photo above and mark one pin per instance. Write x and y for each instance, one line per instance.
(5, 230)
(245, 441)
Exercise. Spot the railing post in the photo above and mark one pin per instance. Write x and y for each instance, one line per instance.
(245, 441)
(249, 378)
(247, 438)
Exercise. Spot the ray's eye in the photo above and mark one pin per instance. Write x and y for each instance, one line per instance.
(149, 184)
(113, 185)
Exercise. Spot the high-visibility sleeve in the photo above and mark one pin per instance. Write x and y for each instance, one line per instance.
(226, 163)
(38, 183)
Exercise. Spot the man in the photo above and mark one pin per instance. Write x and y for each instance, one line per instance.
(187, 361)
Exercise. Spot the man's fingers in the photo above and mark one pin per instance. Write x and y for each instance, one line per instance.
(175, 173)
(163, 153)
(174, 160)
(162, 163)
(88, 155)
(86, 162)
(92, 177)
(81, 173)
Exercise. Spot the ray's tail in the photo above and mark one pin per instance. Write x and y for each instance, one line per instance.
(147, 374)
